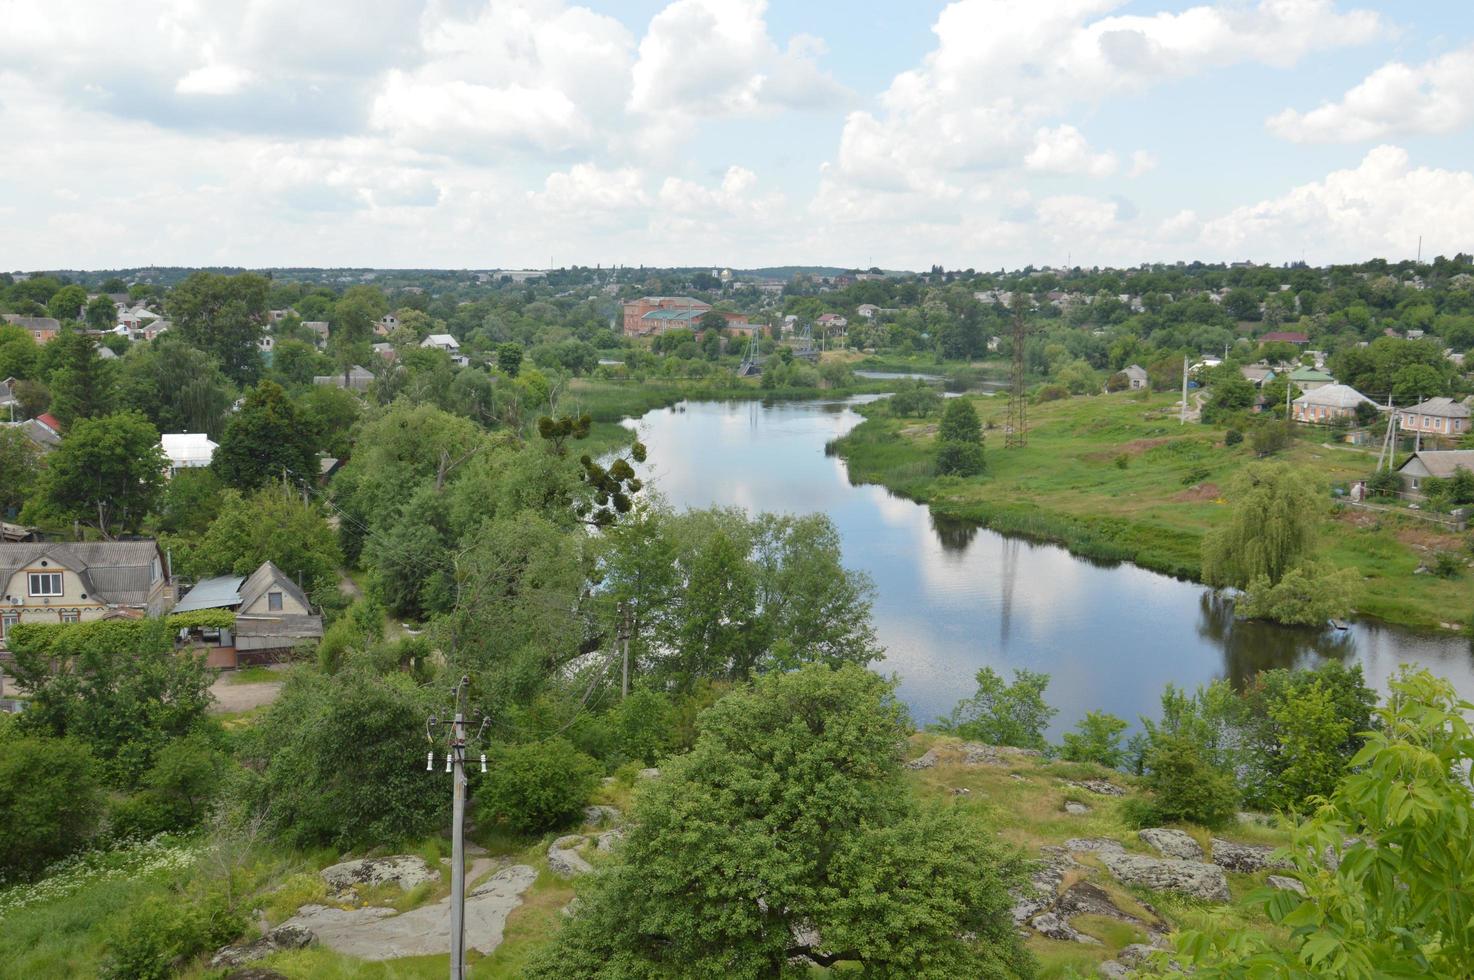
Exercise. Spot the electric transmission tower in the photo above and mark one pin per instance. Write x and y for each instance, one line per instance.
(455, 764)
(1016, 425)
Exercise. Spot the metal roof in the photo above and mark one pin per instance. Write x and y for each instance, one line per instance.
(116, 572)
(220, 592)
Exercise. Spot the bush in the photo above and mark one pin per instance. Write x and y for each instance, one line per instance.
(1097, 740)
(1233, 437)
(1269, 438)
(1446, 564)
(1308, 595)
(1185, 786)
(1051, 393)
(50, 799)
(1122, 461)
(536, 787)
(644, 724)
(160, 935)
(1003, 714)
(959, 459)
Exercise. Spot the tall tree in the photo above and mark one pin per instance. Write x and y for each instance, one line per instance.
(101, 313)
(67, 303)
(179, 388)
(273, 524)
(266, 440)
(82, 385)
(1271, 527)
(20, 462)
(223, 316)
(107, 472)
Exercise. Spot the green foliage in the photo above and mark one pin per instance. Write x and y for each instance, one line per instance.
(154, 940)
(789, 819)
(1453, 491)
(179, 388)
(1097, 740)
(50, 800)
(1446, 564)
(645, 725)
(20, 461)
(959, 439)
(117, 686)
(186, 775)
(265, 441)
(1306, 595)
(959, 459)
(107, 473)
(1186, 786)
(1271, 527)
(1231, 394)
(272, 524)
(337, 761)
(1003, 714)
(190, 502)
(509, 359)
(1233, 437)
(1268, 438)
(1396, 901)
(537, 787)
(914, 397)
(222, 316)
(82, 384)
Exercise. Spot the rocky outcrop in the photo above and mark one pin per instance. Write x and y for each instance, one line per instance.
(599, 815)
(255, 973)
(1053, 926)
(281, 938)
(1192, 878)
(1171, 843)
(404, 870)
(564, 859)
(607, 841)
(651, 773)
(1087, 898)
(1286, 884)
(1043, 886)
(975, 754)
(1101, 787)
(1244, 858)
(1112, 970)
(1094, 845)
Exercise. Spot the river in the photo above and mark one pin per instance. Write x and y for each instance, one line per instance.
(952, 597)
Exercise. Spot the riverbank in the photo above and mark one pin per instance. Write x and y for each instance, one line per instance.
(1117, 478)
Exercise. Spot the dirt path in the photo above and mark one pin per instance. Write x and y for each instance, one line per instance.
(231, 698)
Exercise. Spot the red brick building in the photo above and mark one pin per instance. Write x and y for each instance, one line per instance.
(651, 315)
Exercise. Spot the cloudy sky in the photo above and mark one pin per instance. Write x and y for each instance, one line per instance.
(511, 133)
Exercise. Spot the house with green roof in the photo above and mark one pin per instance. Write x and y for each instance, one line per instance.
(1309, 378)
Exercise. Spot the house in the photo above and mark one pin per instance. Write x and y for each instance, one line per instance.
(832, 321)
(636, 312)
(386, 351)
(319, 327)
(187, 450)
(43, 436)
(359, 378)
(273, 617)
(1258, 375)
(1328, 403)
(388, 323)
(442, 341)
(41, 328)
(1435, 463)
(1285, 337)
(1309, 379)
(1136, 377)
(81, 581)
(1436, 416)
(867, 311)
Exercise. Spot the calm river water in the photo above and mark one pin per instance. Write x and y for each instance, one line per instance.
(951, 597)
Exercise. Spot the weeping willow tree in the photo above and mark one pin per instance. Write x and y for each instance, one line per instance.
(1270, 530)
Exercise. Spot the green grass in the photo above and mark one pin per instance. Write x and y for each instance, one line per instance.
(257, 675)
(1068, 486)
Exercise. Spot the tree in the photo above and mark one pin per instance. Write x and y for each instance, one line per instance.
(1270, 437)
(101, 313)
(914, 397)
(1306, 595)
(273, 524)
(20, 461)
(787, 832)
(19, 355)
(1271, 527)
(178, 387)
(107, 472)
(82, 383)
(1097, 740)
(67, 303)
(537, 787)
(509, 359)
(721, 633)
(223, 316)
(1393, 900)
(1186, 786)
(266, 440)
(959, 440)
(50, 802)
(1003, 714)
(1231, 393)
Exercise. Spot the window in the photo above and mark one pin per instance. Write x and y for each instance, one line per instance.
(273, 601)
(7, 620)
(45, 583)
(71, 616)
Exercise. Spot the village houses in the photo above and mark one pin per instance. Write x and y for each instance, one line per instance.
(1436, 417)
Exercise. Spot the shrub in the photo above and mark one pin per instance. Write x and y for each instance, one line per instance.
(1097, 740)
(1122, 461)
(50, 799)
(1233, 437)
(1269, 438)
(1308, 595)
(644, 724)
(1003, 714)
(959, 459)
(1051, 393)
(1185, 786)
(1446, 564)
(157, 937)
(536, 787)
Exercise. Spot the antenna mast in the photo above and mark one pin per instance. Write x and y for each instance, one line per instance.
(1016, 426)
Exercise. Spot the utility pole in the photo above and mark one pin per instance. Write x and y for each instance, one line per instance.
(1184, 390)
(624, 641)
(455, 764)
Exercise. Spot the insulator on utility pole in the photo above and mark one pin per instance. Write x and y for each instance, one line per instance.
(430, 761)
(483, 762)
(455, 763)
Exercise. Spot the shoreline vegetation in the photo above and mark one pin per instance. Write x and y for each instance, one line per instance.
(1117, 478)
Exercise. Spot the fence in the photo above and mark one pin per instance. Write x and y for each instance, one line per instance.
(1454, 522)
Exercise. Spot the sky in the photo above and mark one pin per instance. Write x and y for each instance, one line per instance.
(979, 134)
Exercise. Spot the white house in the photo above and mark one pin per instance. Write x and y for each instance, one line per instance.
(1136, 377)
(442, 341)
(1436, 463)
(187, 450)
(1328, 403)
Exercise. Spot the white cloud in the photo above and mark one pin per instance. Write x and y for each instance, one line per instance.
(587, 190)
(1064, 150)
(1434, 97)
(1142, 162)
(214, 80)
(1379, 208)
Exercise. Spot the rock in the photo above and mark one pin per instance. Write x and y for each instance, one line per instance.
(1094, 845)
(1244, 858)
(1077, 809)
(961, 791)
(1103, 787)
(282, 937)
(1192, 878)
(1085, 898)
(1255, 819)
(978, 754)
(598, 815)
(1112, 969)
(1171, 843)
(924, 761)
(1286, 884)
(404, 870)
(375, 933)
(1136, 954)
(564, 859)
(255, 973)
(651, 773)
(605, 842)
(1331, 857)
(1043, 885)
(1055, 927)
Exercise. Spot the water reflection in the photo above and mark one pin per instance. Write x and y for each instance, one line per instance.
(952, 597)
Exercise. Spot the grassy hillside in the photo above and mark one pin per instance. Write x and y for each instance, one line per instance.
(1117, 477)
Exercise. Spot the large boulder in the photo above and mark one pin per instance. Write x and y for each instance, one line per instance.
(1171, 843)
(597, 815)
(1245, 858)
(975, 754)
(283, 937)
(1094, 845)
(606, 841)
(1043, 885)
(1086, 898)
(1192, 878)
(564, 859)
(404, 870)
(1101, 787)
(1055, 926)
(1285, 884)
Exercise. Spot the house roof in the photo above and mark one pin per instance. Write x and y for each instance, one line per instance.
(50, 421)
(36, 432)
(220, 592)
(1334, 396)
(1442, 407)
(32, 322)
(1310, 374)
(269, 578)
(441, 340)
(1257, 372)
(1443, 462)
(1285, 336)
(117, 572)
(1135, 371)
(185, 448)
